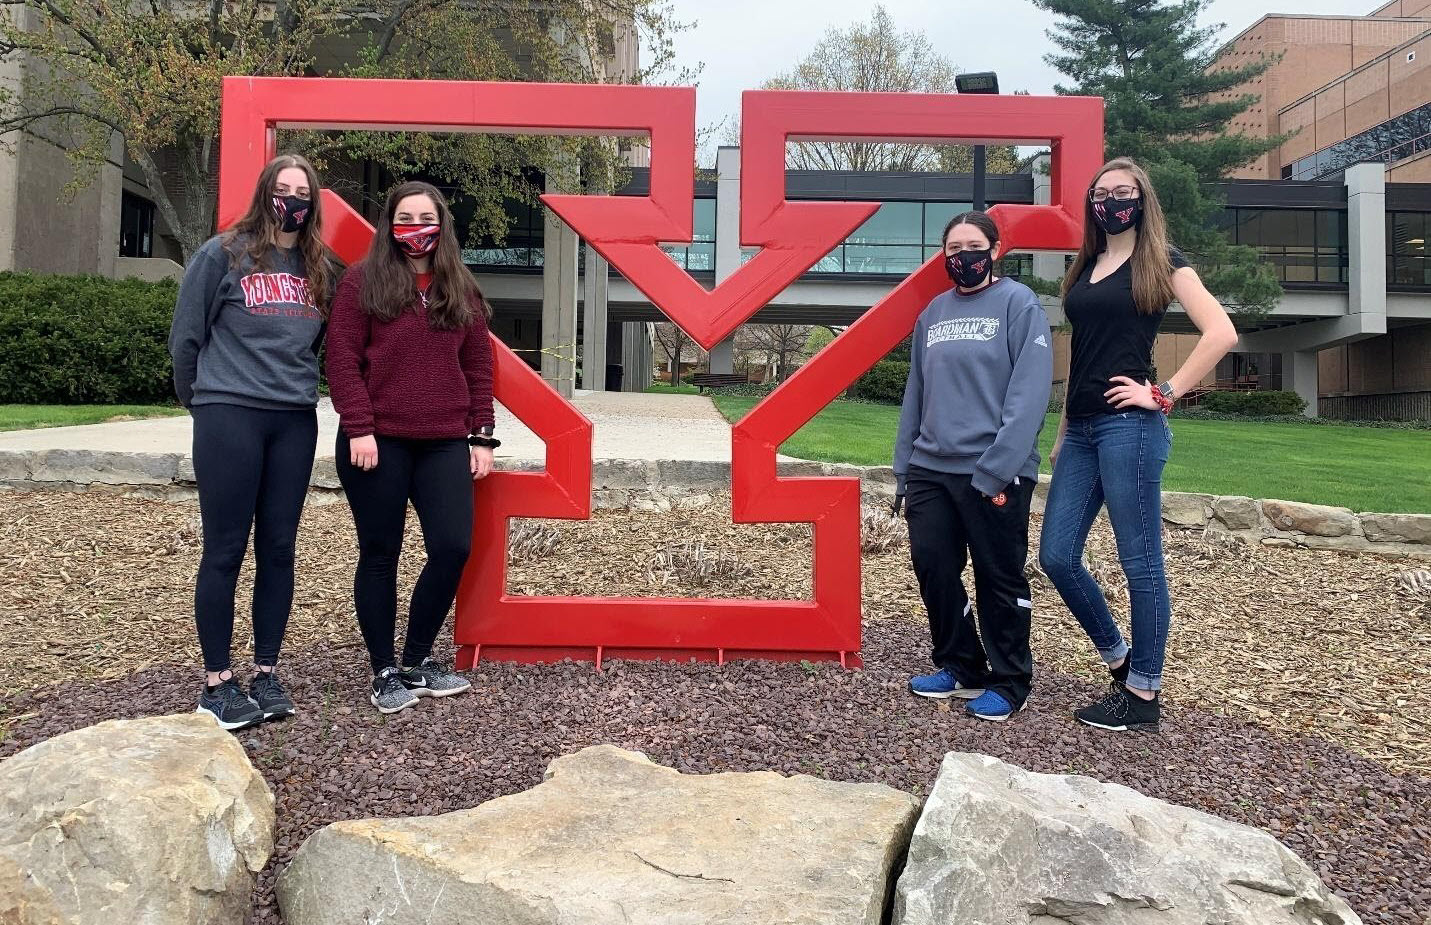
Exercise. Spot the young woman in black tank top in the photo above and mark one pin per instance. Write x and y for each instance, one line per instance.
(1113, 439)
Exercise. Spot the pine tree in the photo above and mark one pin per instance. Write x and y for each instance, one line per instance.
(1166, 107)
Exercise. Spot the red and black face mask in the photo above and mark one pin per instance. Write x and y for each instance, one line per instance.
(417, 240)
(292, 212)
(1116, 216)
(969, 268)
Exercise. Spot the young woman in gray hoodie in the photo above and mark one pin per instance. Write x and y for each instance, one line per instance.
(244, 341)
(966, 461)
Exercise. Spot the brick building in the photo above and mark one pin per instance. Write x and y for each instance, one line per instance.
(1346, 90)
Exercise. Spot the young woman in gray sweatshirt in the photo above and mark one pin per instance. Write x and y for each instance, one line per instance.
(245, 342)
(966, 462)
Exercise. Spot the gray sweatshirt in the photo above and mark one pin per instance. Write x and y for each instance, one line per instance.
(245, 336)
(980, 371)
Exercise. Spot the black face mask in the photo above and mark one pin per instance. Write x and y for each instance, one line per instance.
(969, 268)
(1116, 216)
(292, 212)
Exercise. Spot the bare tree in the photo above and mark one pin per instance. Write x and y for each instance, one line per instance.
(673, 343)
(781, 343)
(876, 57)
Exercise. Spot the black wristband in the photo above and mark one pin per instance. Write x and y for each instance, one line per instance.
(490, 443)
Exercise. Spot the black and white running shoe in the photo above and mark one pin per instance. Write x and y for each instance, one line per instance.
(390, 694)
(1121, 711)
(228, 704)
(431, 679)
(267, 691)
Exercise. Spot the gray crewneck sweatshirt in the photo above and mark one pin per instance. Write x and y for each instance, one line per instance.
(980, 371)
(244, 335)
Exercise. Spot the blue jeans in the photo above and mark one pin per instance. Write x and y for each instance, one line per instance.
(1113, 459)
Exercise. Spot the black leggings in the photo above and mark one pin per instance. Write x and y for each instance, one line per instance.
(437, 476)
(252, 466)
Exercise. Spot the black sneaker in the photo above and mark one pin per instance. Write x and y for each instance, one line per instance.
(228, 704)
(267, 691)
(1121, 711)
(1120, 674)
(430, 679)
(390, 694)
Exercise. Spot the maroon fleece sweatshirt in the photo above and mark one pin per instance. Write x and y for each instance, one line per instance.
(402, 378)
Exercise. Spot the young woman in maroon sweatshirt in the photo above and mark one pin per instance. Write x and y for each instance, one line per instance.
(410, 371)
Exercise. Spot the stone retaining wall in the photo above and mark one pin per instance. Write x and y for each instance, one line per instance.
(663, 485)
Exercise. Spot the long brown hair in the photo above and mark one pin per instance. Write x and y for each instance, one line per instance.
(253, 236)
(1152, 271)
(390, 283)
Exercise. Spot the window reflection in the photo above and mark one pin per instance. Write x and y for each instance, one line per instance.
(1301, 245)
(1394, 140)
(1406, 258)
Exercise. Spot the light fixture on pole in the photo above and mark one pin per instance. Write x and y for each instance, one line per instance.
(981, 82)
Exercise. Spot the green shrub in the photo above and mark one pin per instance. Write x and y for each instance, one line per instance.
(745, 389)
(884, 383)
(1254, 403)
(70, 340)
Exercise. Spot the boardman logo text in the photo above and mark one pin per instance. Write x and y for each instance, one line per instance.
(963, 329)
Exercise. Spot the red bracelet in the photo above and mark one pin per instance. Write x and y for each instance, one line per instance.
(1165, 404)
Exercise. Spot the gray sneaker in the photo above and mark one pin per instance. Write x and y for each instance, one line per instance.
(389, 693)
(431, 679)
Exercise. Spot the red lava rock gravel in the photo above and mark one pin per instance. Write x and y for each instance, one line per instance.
(1362, 827)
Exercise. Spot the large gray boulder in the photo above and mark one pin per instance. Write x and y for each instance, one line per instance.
(610, 837)
(151, 821)
(998, 845)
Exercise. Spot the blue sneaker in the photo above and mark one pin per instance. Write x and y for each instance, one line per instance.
(941, 686)
(992, 707)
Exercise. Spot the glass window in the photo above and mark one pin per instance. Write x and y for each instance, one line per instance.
(1391, 141)
(882, 259)
(894, 223)
(937, 215)
(701, 257)
(700, 254)
(1301, 245)
(833, 262)
(1407, 257)
(1015, 265)
(522, 246)
(705, 225)
(136, 226)
(1331, 246)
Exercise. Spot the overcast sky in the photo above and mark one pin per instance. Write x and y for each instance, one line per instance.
(743, 42)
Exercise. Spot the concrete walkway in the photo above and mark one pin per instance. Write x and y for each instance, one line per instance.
(628, 425)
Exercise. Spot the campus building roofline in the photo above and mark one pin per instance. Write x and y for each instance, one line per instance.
(1315, 16)
(1368, 65)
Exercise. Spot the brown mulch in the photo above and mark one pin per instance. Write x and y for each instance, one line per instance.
(1316, 656)
(1306, 643)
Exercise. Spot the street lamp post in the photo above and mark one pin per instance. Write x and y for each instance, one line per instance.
(982, 82)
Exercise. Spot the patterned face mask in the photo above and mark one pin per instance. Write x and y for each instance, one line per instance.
(416, 240)
(969, 268)
(292, 212)
(1116, 216)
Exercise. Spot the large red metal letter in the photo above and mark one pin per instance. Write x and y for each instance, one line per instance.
(628, 231)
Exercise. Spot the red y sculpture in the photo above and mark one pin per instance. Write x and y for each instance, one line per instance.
(628, 231)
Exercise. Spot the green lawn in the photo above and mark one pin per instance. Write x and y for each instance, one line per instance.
(680, 388)
(1363, 468)
(26, 417)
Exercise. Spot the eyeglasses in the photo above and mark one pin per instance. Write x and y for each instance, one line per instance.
(1098, 194)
